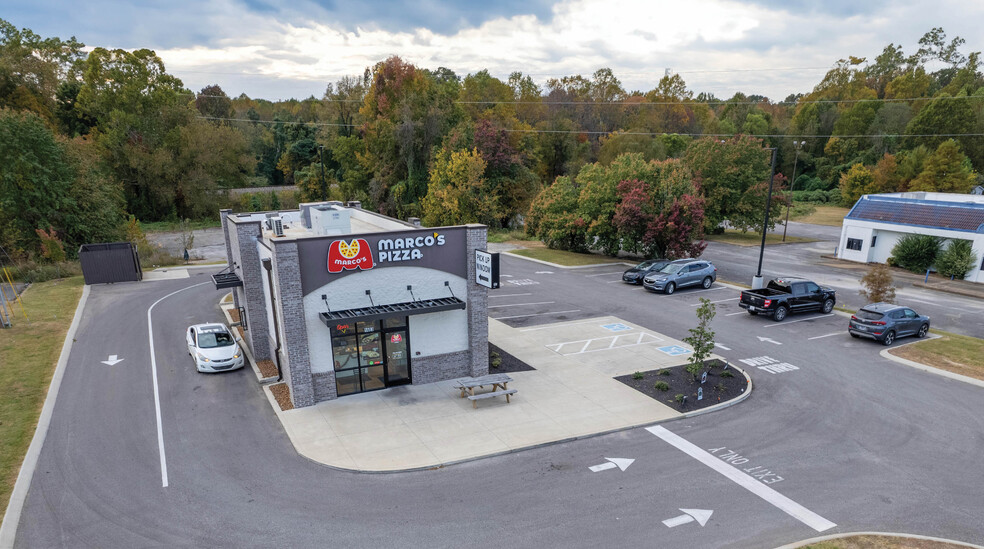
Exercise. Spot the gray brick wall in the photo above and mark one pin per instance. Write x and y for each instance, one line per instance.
(429, 369)
(478, 303)
(249, 270)
(324, 386)
(295, 357)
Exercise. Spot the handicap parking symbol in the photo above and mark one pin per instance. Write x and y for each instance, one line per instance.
(618, 327)
(674, 350)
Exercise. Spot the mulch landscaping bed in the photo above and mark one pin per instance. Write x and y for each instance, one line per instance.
(281, 392)
(719, 387)
(267, 368)
(508, 362)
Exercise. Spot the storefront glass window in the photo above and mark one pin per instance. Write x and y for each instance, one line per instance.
(345, 352)
(370, 351)
(395, 322)
(368, 327)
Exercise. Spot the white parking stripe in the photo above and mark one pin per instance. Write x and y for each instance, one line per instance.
(708, 289)
(744, 480)
(828, 335)
(718, 301)
(733, 314)
(794, 321)
(606, 274)
(507, 295)
(559, 324)
(520, 304)
(536, 314)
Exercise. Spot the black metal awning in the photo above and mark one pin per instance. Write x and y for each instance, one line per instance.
(378, 312)
(226, 280)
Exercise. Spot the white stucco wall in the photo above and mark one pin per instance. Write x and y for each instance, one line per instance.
(889, 234)
(430, 334)
(266, 254)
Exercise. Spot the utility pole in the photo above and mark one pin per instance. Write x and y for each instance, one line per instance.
(757, 279)
(324, 182)
(789, 201)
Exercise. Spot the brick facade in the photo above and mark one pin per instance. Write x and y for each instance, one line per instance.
(249, 270)
(295, 358)
(478, 305)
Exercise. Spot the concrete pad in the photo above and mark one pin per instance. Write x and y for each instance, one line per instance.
(168, 274)
(570, 394)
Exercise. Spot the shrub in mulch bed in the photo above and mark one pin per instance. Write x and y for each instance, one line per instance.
(721, 385)
(506, 363)
(267, 368)
(281, 392)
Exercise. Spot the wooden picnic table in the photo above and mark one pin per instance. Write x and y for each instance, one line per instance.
(497, 381)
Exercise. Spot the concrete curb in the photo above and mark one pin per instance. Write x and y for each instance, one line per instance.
(245, 348)
(948, 290)
(920, 366)
(890, 534)
(709, 409)
(559, 266)
(11, 518)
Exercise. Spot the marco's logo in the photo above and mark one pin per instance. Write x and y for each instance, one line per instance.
(349, 255)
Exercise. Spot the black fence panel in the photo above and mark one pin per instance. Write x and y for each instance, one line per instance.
(110, 262)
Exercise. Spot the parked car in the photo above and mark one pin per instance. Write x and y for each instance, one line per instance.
(782, 296)
(885, 322)
(214, 348)
(636, 274)
(680, 274)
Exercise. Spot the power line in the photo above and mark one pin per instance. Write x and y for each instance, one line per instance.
(597, 132)
(547, 102)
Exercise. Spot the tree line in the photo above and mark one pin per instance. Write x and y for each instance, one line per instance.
(88, 140)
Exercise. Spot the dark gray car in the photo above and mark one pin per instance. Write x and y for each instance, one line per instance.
(680, 274)
(885, 322)
(636, 274)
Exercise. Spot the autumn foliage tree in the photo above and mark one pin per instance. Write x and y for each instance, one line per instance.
(877, 285)
(458, 192)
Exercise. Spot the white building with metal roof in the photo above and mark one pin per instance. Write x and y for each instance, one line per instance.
(878, 221)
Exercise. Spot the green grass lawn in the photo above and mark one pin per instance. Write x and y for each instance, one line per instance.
(174, 226)
(28, 354)
(821, 215)
(561, 257)
(955, 353)
(738, 238)
(505, 235)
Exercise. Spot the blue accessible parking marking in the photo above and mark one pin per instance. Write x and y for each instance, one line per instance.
(674, 350)
(618, 327)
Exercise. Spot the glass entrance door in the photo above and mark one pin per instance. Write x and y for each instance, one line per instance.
(397, 357)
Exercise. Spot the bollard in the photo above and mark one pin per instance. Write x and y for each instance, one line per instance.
(927, 277)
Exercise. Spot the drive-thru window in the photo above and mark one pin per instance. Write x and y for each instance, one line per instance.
(348, 301)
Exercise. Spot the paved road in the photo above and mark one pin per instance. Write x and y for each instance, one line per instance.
(950, 312)
(860, 441)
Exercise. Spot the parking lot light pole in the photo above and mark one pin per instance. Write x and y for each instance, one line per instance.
(789, 201)
(757, 279)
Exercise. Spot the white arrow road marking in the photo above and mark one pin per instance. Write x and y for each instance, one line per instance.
(690, 515)
(112, 360)
(505, 275)
(744, 480)
(716, 344)
(544, 272)
(772, 341)
(621, 463)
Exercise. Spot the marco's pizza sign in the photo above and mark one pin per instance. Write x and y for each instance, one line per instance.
(357, 253)
(326, 259)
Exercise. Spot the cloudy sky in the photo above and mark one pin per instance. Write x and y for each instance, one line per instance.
(279, 50)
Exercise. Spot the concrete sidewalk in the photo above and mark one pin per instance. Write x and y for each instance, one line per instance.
(570, 395)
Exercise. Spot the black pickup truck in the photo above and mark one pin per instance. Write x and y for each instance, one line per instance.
(788, 295)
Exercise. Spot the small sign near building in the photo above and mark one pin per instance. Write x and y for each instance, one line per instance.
(487, 269)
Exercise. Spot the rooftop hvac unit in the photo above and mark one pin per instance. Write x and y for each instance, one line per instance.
(277, 225)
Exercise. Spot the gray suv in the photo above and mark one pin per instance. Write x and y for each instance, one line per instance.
(680, 274)
(886, 321)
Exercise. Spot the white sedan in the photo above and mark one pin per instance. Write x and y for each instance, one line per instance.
(213, 348)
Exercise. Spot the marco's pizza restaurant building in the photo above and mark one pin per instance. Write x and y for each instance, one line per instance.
(345, 300)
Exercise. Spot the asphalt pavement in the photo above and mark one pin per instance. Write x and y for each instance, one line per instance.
(856, 440)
